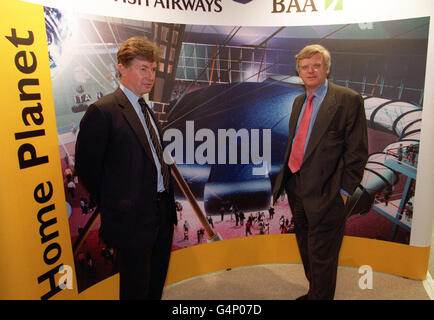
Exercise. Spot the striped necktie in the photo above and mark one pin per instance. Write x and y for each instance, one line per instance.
(157, 146)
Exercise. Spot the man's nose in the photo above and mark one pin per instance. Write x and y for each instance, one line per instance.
(310, 68)
(150, 74)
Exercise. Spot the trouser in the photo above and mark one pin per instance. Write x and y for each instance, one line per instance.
(143, 271)
(319, 246)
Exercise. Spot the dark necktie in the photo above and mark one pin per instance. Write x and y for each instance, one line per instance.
(157, 146)
(297, 151)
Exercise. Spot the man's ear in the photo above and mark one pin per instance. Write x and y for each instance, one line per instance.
(121, 69)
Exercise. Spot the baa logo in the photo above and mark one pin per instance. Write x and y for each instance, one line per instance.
(243, 1)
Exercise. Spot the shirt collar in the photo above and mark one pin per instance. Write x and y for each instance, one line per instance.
(321, 91)
(130, 95)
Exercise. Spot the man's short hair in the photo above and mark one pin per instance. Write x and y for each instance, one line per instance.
(310, 50)
(138, 47)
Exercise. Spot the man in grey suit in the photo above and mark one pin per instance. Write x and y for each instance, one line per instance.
(119, 161)
(323, 164)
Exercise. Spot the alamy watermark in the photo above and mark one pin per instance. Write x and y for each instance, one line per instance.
(66, 280)
(366, 281)
(222, 148)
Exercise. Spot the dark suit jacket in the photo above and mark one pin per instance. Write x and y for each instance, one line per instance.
(336, 153)
(115, 164)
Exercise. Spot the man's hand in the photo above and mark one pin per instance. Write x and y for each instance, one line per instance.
(344, 197)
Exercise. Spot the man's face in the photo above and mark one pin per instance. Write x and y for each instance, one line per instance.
(139, 76)
(313, 72)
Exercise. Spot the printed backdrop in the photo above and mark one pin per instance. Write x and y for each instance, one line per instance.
(223, 96)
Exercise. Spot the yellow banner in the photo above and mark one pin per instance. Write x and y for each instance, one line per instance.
(36, 255)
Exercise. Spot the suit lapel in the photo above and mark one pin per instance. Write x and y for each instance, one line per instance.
(134, 121)
(324, 117)
(295, 113)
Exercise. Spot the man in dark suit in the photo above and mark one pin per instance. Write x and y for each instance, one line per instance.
(323, 164)
(119, 161)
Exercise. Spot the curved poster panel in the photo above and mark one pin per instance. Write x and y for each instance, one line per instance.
(223, 96)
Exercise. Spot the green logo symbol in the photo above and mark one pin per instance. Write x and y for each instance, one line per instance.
(337, 4)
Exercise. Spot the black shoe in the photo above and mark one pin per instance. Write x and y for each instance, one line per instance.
(304, 297)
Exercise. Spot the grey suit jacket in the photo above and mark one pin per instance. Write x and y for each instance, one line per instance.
(336, 153)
